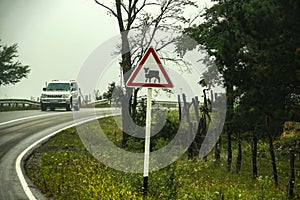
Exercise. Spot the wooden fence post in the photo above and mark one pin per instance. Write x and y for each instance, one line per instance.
(188, 118)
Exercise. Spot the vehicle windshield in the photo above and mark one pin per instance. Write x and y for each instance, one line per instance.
(58, 86)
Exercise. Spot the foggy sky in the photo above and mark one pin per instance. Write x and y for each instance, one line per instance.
(54, 37)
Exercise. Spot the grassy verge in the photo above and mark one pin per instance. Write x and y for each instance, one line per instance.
(63, 169)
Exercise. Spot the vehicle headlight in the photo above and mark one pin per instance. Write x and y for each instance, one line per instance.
(65, 96)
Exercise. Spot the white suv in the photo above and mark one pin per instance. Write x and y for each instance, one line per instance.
(61, 94)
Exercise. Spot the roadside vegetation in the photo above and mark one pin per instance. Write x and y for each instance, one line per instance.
(8, 108)
(62, 168)
(11, 70)
(253, 51)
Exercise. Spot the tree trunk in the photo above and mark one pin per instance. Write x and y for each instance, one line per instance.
(217, 151)
(254, 156)
(229, 130)
(126, 66)
(203, 131)
(271, 150)
(198, 138)
(239, 157)
(126, 99)
(125, 118)
(229, 150)
(292, 175)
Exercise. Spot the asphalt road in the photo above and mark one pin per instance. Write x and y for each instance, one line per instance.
(18, 131)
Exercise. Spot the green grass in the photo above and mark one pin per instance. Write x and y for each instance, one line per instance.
(63, 169)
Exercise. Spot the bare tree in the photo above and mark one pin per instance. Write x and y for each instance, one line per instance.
(145, 18)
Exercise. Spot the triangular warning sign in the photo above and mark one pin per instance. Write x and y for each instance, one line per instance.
(149, 72)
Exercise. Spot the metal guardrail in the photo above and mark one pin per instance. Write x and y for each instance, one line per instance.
(99, 102)
(106, 101)
(18, 102)
(167, 103)
(26, 102)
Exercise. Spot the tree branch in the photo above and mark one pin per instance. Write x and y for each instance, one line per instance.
(119, 16)
(108, 8)
(124, 7)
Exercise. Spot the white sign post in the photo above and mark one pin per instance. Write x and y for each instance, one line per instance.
(153, 75)
(147, 139)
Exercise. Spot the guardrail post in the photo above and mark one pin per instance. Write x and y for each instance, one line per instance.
(18, 103)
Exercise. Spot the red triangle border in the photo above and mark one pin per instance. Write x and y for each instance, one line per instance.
(130, 82)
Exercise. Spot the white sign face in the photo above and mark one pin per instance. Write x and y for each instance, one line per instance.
(150, 72)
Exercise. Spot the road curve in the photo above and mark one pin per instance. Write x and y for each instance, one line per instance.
(18, 131)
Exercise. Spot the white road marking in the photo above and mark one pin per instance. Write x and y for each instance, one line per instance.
(30, 117)
(20, 174)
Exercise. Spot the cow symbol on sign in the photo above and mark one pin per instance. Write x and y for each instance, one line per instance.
(149, 74)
